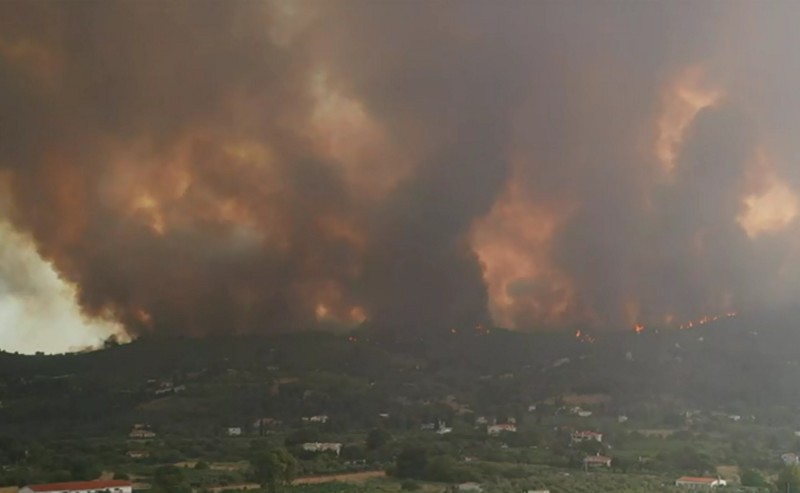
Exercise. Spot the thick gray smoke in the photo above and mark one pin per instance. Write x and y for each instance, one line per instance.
(204, 166)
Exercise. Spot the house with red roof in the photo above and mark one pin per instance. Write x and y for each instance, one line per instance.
(597, 461)
(100, 486)
(694, 482)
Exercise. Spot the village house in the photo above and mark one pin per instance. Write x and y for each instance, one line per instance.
(138, 454)
(790, 459)
(469, 488)
(234, 431)
(596, 461)
(481, 420)
(110, 486)
(141, 431)
(321, 418)
(497, 429)
(323, 447)
(586, 436)
(692, 482)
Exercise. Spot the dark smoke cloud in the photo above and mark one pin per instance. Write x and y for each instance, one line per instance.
(202, 166)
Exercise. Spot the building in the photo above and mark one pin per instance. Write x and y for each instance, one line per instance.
(692, 482)
(234, 431)
(586, 436)
(110, 486)
(323, 447)
(321, 418)
(790, 459)
(495, 430)
(138, 454)
(596, 461)
(139, 431)
(469, 488)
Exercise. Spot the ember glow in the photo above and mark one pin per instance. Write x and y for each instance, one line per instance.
(241, 166)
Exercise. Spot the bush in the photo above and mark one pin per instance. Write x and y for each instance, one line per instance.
(121, 476)
(201, 466)
(409, 485)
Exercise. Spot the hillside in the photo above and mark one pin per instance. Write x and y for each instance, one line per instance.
(731, 365)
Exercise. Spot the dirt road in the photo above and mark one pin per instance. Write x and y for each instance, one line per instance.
(352, 477)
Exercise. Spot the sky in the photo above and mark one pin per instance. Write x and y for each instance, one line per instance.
(199, 167)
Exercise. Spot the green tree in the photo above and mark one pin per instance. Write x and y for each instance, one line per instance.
(273, 468)
(377, 438)
(751, 477)
(789, 480)
(412, 462)
(170, 479)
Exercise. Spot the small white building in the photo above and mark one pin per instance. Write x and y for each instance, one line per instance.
(470, 488)
(497, 429)
(110, 486)
(597, 461)
(234, 431)
(790, 459)
(320, 418)
(586, 436)
(141, 433)
(693, 482)
(323, 447)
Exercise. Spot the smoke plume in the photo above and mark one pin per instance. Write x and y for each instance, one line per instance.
(206, 166)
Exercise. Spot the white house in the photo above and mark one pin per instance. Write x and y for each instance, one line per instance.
(234, 431)
(141, 431)
(470, 487)
(323, 447)
(790, 459)
(597, 461)
(586, 436)
(111, 486)
(692, 482)
(321, 418)
(495, 430)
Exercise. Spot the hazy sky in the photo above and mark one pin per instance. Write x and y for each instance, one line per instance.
(240, 166)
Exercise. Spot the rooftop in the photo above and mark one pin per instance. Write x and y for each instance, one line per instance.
(80, 485)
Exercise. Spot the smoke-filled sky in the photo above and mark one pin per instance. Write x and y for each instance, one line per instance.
(241, 166)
